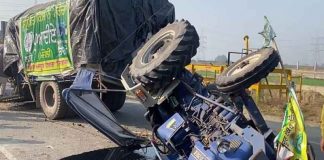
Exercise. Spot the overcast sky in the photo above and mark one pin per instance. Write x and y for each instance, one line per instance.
(222, 24)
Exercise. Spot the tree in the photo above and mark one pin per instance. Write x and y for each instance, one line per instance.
(221, 59)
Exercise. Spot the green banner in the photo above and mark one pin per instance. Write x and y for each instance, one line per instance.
(45, 41)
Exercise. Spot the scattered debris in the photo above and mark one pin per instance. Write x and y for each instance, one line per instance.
(78, 124)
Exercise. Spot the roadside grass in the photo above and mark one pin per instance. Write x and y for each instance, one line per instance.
(313, 82)
(207, 74)
(311, 105)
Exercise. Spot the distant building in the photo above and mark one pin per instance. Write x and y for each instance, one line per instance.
(3, 26)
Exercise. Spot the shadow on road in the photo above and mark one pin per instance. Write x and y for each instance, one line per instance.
(26, 116)
(116, 153)
(132, 114)
(9, 126)
(19, 141)
(18, 106)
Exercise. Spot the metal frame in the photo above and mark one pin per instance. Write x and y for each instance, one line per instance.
(151, 100)
(229, 56)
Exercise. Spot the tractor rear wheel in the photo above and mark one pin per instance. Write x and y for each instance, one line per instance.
(165, 55)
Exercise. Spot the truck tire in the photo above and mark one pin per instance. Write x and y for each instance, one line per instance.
(165, 55)
(248, 71)
(114, 100)
(37, 96)
(51, 100)
(69, 113)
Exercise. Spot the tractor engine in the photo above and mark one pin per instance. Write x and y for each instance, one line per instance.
(198, 129)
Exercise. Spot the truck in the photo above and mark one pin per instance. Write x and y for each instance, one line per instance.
(46, 45)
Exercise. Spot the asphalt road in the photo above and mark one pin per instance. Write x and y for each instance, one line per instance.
(26, 135)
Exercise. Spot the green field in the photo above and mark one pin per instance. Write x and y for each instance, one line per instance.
(313, 82)
(274, 79)
(207, 74)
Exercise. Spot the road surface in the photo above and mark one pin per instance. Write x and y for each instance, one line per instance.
(26, 135)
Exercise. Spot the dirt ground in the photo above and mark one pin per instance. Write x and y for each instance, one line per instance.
(21, 106)
(314, 89)
(311, 103)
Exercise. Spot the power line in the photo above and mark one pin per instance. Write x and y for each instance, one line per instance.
(318, 48)
(203, 45)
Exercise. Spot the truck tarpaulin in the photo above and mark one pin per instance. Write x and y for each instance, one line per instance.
(56, 38)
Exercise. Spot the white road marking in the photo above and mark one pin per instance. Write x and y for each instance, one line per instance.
(7, 154)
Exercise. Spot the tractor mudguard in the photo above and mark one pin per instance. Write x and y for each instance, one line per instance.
(88, 106)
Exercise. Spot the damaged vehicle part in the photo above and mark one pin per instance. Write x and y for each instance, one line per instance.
(192, 123)
(87, 105)
(188, 122)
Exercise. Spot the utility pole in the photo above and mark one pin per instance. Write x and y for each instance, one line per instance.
(246, 44)
(318, 48)
(203, 44)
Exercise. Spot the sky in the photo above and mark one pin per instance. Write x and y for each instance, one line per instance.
(222, 24)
